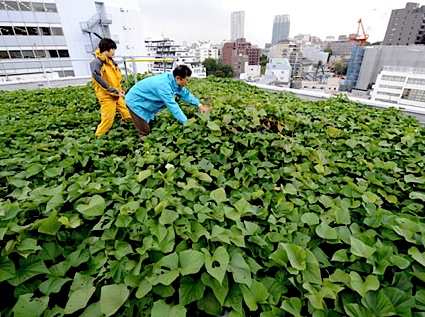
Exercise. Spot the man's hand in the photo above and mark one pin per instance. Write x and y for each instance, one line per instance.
(122, 94)
(204, 108)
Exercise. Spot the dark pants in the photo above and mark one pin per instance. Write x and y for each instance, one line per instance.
(141, 125)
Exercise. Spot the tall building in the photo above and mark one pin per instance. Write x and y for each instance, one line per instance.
(281, 25)
(237, 53)
(61, 35)
(406, 26)
(237, 25)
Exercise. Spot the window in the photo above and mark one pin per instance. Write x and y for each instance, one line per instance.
(417, 81)
(20, 30)
(15, 54)
(32, 30)
(6, 30)
(414, 95)
(63, 53)
(40, 53)
(4, 55)
(38, 7)
(53, 53)
(50, 7)
(45, 31)
(11, 5)
(394, 78)
(28, 54)
(57, 31)
(25, 6)
(2, 7)
(391, 87)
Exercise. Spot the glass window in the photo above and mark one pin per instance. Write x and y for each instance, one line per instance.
(38, 7)
(11, 5)
(40, 53)
(32, 30)
(25, 6)
(45, 31)
(2, 7)
(15, 54)
(53, 53)
(20, 30)
(28, 54)
(63, 53)
(50, 7)
(6, 30)
(57, 31)
(4, 55)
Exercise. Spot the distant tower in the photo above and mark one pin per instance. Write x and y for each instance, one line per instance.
(281, 24)
(237, 25)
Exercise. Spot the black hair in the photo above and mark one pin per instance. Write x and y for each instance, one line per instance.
(106, 44)
(182, 71)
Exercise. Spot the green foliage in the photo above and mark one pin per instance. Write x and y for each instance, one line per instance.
(267, 206)
(215, 68)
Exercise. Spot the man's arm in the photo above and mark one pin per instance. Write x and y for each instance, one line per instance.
(167, 96)
(95, 66)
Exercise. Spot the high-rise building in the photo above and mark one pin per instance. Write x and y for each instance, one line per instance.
(406, 26)
(237, 25)
(281, 24)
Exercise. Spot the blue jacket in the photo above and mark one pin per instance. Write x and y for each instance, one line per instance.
(153, 94)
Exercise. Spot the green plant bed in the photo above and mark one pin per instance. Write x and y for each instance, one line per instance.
(268, 206)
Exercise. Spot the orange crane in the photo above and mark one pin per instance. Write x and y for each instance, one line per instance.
(361, 38)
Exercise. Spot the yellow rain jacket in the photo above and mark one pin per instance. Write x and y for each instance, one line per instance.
(106, 77)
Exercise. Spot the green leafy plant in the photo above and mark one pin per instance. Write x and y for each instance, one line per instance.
(267, 206)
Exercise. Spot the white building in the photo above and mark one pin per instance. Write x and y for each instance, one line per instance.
(400, 85)
(60, 36)
(315, 54)
(204, 50)
(278, 72)
(237, 25)
(251, 72)
(164, 55)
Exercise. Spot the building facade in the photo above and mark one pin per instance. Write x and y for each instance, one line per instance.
(205, 49)
(240, 47)
(377, 57)
(406, 26)
(164, 55)
(52, 35)
(237, 25)
(400, 85)
(341, 48)
(281, 26)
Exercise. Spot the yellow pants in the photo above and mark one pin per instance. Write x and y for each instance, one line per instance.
(108, 107)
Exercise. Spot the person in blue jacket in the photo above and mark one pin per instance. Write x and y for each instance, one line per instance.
(155, 93)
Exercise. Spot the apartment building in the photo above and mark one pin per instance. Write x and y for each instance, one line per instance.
(59, 36)
(406, 26)
(165, 54)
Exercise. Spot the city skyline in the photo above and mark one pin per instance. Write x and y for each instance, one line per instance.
(210, 20)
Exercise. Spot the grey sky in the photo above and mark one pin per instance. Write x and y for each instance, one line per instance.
(192, 20)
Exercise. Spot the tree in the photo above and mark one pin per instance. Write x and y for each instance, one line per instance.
(341, 68)
(227, 71)
(211, 65)
(216, 68)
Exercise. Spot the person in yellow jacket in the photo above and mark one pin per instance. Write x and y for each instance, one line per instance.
(107, 78)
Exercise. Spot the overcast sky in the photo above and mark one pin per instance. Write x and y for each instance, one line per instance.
(193, 20)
